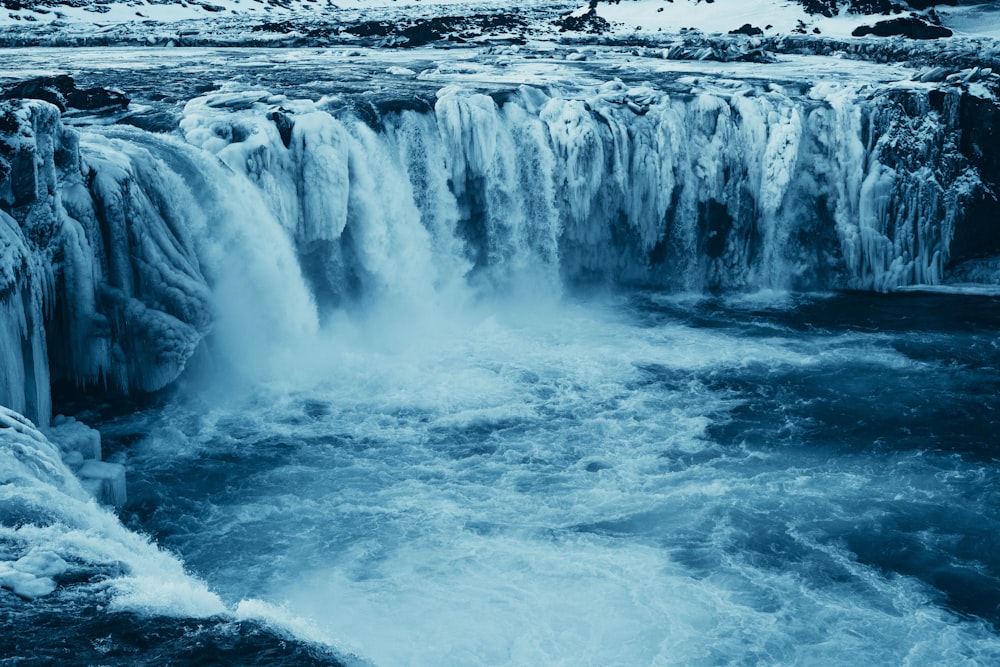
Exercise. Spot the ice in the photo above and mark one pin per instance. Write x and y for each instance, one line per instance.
(49, 523)
(25, 279)
(127, 283)
(26, 453)
(24, 583)
(104, 481)
(72, 436)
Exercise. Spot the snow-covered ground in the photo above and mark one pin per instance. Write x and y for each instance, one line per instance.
(243, 20)
(721, 16)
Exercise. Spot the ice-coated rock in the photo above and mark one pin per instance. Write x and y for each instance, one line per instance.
(74, 437)
(26, 454)
(95, 242)
(104, 481)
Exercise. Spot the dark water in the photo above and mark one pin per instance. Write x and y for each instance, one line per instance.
(68, 631)
(639, 479)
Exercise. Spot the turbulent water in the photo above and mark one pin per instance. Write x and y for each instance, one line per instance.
(496, 374)
(635, 479)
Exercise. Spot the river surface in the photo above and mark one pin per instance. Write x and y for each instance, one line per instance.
(629, 479)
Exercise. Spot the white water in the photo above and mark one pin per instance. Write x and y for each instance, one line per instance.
(522, 486)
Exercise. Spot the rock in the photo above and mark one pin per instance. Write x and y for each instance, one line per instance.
(285, 124)
(911, 27)
(62, 91)
(96, 99)
(748, 30)
(46, 88)
(23, 178)
(586, 22)
(160, 120)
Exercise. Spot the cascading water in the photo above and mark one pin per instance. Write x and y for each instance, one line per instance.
(433, 448)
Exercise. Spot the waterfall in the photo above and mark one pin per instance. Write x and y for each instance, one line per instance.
(122, 251)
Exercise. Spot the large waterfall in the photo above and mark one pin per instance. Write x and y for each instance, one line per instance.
(126, 248)
(674, 366)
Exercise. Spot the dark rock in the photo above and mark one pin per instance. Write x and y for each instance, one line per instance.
(23, 178)
(96, 99)
(424, 31)
(160, 122)
(8, 128)
(280, 27)
(589, 23)
(284, 124)
(912, 28)
(748, 30)
(926, 4)
(62, 92)
(830, 8)
(979, 122)
(49, 89)
(865, 7)
(825, 8)
(373, 108)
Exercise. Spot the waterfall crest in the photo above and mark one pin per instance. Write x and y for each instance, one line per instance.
(122, 250)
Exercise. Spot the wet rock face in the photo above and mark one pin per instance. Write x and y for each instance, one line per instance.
(979, 121)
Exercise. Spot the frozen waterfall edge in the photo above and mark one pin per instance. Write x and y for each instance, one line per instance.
(122, 250)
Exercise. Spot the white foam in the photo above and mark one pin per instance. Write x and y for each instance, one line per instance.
(50, 522)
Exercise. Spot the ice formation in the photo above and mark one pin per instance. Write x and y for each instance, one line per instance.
(122, 250)
(51, 527)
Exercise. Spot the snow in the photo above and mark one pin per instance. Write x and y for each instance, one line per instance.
(644, 17)
(171, 23)
(102, 16)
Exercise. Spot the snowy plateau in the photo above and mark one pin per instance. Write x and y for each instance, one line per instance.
(437, 332)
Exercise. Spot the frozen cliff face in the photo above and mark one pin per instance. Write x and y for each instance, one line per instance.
(724, 186)
(27, 251)
(98, 264)
(122, 249)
